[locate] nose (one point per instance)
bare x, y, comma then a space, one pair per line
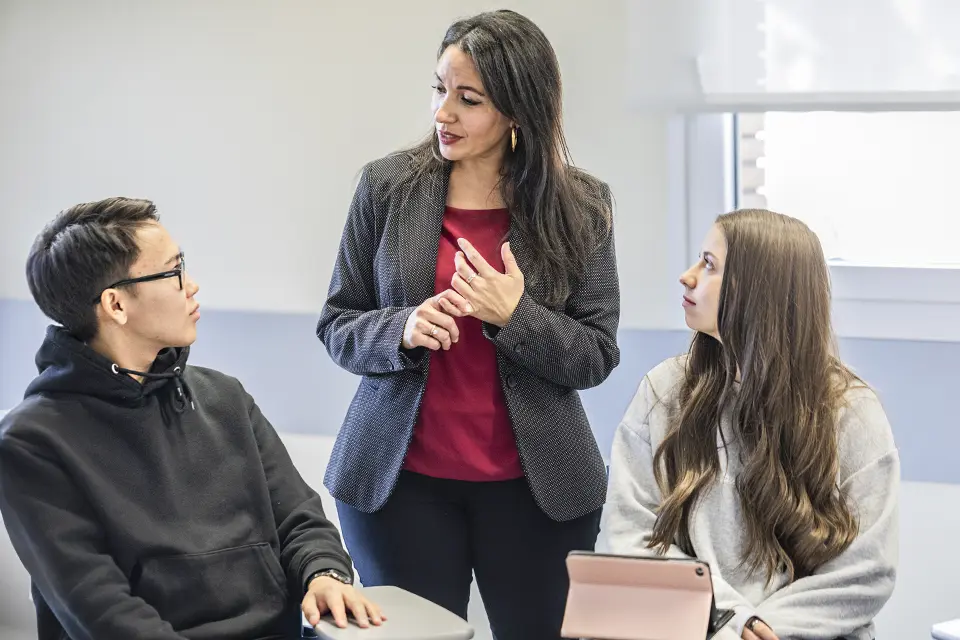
443, 115
688, 279
191, 287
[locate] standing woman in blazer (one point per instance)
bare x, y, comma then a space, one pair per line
476, 291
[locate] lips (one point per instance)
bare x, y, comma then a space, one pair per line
447, 138
687, 302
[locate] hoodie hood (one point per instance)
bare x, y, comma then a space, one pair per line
68, 366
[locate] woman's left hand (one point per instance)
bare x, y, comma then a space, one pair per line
493, 295
757, 629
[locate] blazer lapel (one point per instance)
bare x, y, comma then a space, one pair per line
523, 253
419, 236
519, 246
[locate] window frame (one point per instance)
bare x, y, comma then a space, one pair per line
869, 301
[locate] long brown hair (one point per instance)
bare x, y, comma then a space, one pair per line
561, 211
775, 329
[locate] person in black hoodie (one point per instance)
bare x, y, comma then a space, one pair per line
147, 498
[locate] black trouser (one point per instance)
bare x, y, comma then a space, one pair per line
432, 535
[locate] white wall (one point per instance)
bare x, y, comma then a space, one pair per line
248, 122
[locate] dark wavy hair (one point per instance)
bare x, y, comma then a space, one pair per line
562, 212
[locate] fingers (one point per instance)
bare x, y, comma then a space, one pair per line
421, 339
483, 267
509, 261
443, 321
431, 326
310, 609
758, 630
430, 334
448, 307
358, 608
460, 286
430, 331
453, 303
339, 602
463, 269
762, 631
416, 334
375, 612
337, 608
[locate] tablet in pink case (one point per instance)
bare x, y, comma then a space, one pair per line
619, 597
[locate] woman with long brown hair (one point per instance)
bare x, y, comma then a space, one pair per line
759, 452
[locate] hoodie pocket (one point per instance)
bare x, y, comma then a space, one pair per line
236, 588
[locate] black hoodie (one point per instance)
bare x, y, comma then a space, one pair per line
156, 511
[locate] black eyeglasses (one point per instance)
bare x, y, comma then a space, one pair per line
177, 272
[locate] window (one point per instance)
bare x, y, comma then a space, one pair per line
877, 187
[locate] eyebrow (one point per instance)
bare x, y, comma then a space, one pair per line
174, 258
462, 87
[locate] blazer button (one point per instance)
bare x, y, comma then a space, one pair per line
511, 382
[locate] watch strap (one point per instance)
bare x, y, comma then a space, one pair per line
329, 573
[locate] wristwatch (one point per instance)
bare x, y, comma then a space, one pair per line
328, 573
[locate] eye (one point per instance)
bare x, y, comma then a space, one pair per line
470, 102
439, 88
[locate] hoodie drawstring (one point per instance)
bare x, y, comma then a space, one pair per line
183, 390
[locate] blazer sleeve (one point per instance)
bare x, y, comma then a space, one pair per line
359, 336
577, 347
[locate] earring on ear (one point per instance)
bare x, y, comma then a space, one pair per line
513, 139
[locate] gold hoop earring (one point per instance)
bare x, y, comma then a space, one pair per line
513, 139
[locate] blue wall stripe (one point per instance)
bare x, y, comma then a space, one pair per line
284, 366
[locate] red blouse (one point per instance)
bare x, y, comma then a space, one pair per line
463, 431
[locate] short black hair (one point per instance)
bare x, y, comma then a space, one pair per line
81, 252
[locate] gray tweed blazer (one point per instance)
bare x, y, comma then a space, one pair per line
385, 267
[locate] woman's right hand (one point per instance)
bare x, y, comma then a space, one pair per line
430, 326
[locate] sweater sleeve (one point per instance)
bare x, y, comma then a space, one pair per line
634, 498
848, 592
309, 542
62, 546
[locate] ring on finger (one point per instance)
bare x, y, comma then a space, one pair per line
472, 276
434, 331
